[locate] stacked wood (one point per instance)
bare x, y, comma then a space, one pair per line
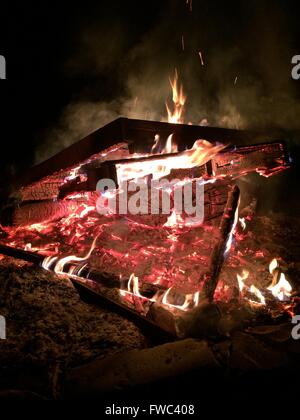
265, 158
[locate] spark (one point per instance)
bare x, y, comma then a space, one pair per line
201, 58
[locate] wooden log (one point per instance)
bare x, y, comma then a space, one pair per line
20, 254
45, 190
137, 367
218, 253
43, 211
202, 321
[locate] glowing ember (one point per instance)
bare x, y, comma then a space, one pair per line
174, 220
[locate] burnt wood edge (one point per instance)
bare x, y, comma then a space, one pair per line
218, 253
89, 295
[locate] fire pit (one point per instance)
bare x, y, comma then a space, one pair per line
165, 267
172, 275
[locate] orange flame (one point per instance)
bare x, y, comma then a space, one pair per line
175, 116
201, 152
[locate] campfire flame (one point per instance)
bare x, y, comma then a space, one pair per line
280, 289
60, 263
201, 152
81, 223
231, 235
241, 278
256, 292
242, 221
175, 116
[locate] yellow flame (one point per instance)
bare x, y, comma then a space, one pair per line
196, 298
241, 278
60, 263
242, 222
201, 152
282, 290
156, 141
133, 285
175, 116
273, 265
255, 291
189, 299
174, 220
231, 234
170, 146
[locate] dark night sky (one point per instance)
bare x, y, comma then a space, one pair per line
106, 52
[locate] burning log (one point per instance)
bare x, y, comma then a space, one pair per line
44, 211
21, 254
265, 159
218, 254
44, 190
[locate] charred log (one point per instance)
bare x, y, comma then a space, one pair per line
218, 253
43, 211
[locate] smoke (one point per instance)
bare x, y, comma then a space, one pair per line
120, 66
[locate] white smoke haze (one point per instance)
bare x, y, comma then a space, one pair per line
134, 77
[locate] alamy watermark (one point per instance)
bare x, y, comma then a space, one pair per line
155, 197
296, 67
296, 328
2, 67
2, 328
